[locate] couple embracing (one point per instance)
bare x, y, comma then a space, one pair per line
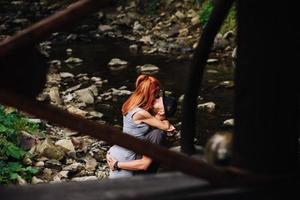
143, 117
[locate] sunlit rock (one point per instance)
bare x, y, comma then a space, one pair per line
54, 95
35, 180
66, 145
77, 111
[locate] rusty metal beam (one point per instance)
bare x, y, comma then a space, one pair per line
56, 22
112, 135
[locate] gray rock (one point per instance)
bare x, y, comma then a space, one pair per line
85, 178
117, 62
54, 95
220, 43
209, 106
21, 21
75, 167
148, 69
95, 114
53, 79
53, 164
195, 21
96, 79
137, 27
69, 51
39, 164
27, 141
72, 89
212, 61
133, 49
55, 63
53, 153
91, 164
47, 149
86, 95
226, 84
73, 60
35, 180
76, 111
180, 15
118, 92
104, 28
21, 181
64, 174
212, 71
72, 36
147, 40
234, 55
66, 75
66, 145
229, 122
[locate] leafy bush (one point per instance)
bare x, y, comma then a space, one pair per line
11, 155
9, 172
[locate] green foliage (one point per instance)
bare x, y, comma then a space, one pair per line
230, 22
205, 12
11, 155
9, 171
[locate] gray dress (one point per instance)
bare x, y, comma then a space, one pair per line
122, 154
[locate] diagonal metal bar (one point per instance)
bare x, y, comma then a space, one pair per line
58, 21
112, 135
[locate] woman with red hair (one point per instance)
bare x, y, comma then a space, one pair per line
142, 118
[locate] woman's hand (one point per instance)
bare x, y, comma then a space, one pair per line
110, 161
171, 128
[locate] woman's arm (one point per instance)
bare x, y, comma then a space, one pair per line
146, 117
140, 164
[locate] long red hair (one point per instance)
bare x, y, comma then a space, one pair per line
144, 95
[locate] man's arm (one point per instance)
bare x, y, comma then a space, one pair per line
134, 165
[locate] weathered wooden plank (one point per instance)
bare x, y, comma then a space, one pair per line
162, 185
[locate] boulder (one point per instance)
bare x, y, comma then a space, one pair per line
66, 145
